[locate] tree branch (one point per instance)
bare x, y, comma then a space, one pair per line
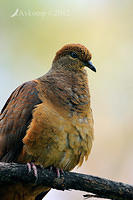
11, 173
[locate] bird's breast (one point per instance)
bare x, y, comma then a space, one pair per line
55, 138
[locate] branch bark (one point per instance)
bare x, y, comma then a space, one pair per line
11, 173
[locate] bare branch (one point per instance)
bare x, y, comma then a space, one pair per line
11, 173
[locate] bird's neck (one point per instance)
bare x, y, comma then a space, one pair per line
67, 88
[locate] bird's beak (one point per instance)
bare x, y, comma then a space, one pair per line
90, 65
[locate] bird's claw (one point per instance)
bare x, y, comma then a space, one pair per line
32, 166
58, 171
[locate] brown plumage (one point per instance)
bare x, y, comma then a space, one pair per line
49, 121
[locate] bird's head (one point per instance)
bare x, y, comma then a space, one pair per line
73, 57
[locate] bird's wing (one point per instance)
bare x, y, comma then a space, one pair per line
15, 117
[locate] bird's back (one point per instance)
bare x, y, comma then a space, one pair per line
15, 118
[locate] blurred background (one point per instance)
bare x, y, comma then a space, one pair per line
30, 34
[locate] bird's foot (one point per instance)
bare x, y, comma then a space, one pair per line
59, 172
32, 166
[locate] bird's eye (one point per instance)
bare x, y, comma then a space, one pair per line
73, 55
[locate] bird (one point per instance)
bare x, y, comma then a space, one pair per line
48, 121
